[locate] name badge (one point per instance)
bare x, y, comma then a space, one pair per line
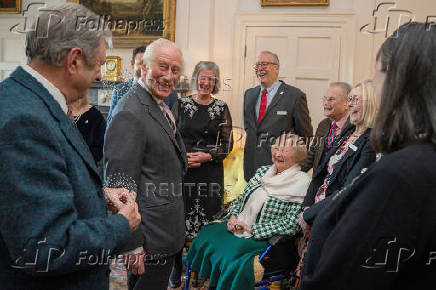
282, 113
352, 147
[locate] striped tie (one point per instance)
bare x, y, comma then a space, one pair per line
169, 116
332, 134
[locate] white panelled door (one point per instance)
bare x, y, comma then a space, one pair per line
309, 58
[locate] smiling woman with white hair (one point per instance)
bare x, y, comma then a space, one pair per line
268, 206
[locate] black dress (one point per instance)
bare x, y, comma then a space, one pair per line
92, 126
206, 128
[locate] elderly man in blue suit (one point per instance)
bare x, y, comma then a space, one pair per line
121, 89
54, 228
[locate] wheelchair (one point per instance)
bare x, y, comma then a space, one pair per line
278, 261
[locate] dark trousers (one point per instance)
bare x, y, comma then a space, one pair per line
156, 275
176, 273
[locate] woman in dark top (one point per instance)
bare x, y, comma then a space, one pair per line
350, 154
206, 127
379, 232
91, 125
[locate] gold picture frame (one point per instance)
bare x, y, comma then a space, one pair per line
140, 22
10, 6
264, 3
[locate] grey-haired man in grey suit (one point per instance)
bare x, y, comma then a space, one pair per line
144, 148
271, 109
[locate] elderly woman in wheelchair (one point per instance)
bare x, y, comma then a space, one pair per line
226, 252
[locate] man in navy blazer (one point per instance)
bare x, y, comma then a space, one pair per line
121, 89
54, 228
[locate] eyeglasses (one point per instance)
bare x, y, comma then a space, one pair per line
281, 149
354, 99
263, 64
328, 99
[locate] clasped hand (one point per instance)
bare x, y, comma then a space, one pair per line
237, 227
196, 158
122, 201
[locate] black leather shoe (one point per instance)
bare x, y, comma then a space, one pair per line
174, 285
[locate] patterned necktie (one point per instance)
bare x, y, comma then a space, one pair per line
332, 134
169, 115
262, 108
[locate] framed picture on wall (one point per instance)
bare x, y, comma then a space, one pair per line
294, 3
10, 6
135, 22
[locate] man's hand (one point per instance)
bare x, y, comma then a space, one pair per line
122, 201
135, 263
116, 198
130, 211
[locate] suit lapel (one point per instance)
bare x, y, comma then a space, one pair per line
251, 106
277, 97
158, 116
338, 142
357, 145
71, 134
155, 112
182, 156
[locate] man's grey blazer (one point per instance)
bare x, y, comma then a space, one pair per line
287, 112
141, 149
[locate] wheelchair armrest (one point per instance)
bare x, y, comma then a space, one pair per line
281, 253
279, 239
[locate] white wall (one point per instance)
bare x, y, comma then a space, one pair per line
205, 30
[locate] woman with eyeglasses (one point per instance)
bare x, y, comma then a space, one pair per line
349, 155
351, 152
205, 124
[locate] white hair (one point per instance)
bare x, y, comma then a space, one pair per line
60, 28
151, 49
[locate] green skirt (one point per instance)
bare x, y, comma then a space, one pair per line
226, 260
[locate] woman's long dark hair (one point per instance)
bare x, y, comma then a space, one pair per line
408, 108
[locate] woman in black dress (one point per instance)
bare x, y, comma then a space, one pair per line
206, 127
91, 124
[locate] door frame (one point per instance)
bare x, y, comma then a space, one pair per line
346, 22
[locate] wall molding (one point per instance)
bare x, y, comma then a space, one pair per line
345, 21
